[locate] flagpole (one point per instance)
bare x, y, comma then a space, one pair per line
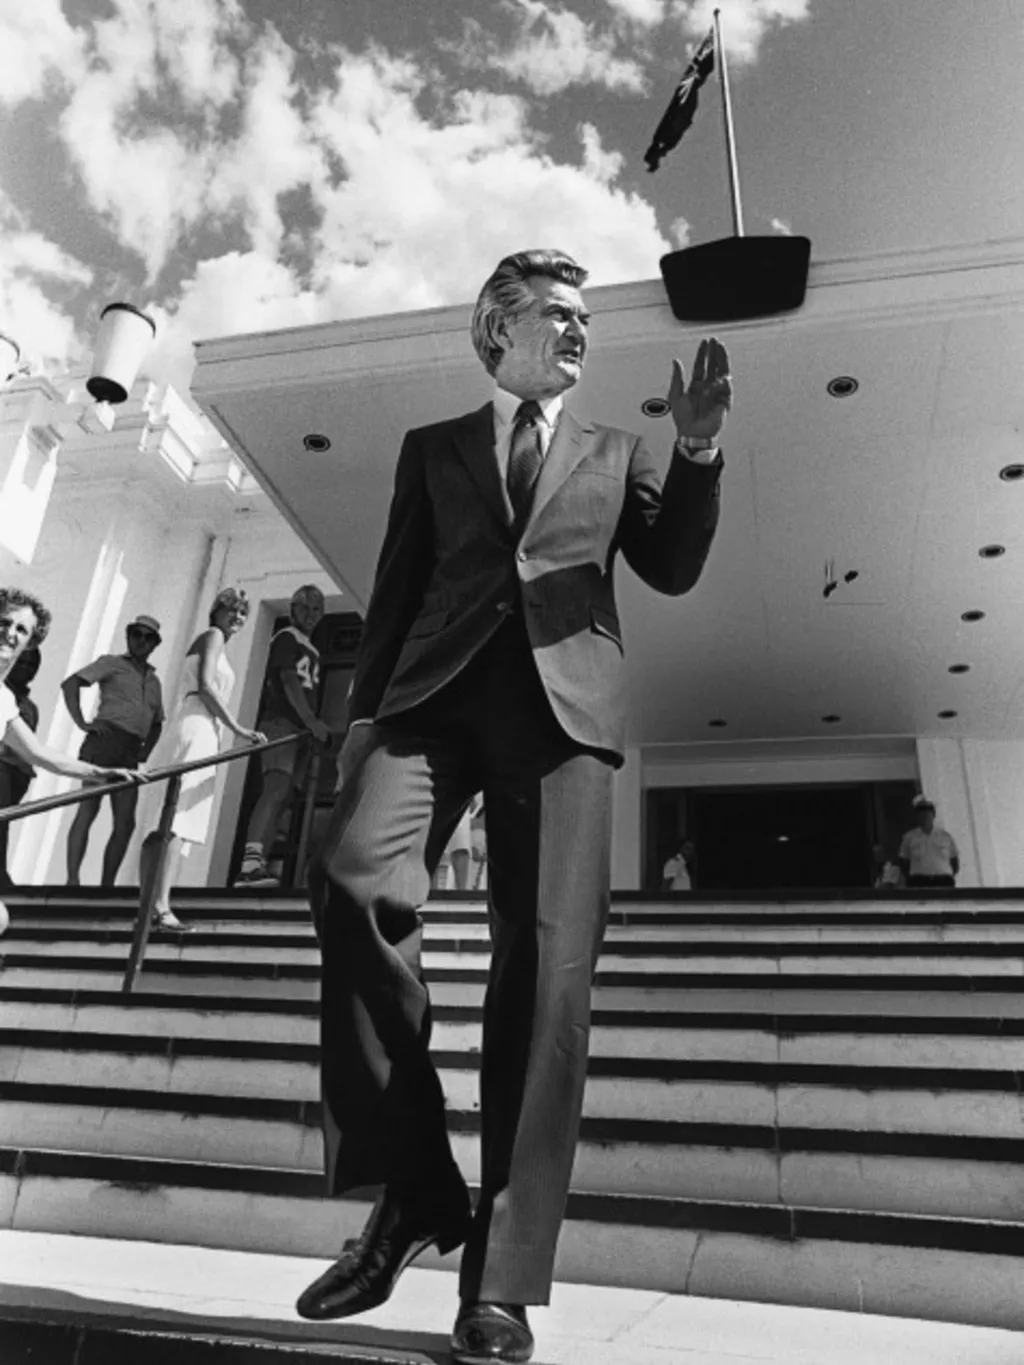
730, 136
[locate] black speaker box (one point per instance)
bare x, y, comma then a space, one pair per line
737, 278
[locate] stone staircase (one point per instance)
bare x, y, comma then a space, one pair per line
811, 1101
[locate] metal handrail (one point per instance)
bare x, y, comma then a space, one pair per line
149, 776
172, 775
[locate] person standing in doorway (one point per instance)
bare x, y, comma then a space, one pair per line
928, 854
677, 874
287, 707
122, 734
491, 661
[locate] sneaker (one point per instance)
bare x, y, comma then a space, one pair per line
256, 874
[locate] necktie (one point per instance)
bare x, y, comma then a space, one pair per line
524, 460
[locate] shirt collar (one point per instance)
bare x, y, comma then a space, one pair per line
506, 405
145, 664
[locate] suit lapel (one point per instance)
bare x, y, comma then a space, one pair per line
474, 443
569, 445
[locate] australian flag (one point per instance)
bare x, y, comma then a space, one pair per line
683, 105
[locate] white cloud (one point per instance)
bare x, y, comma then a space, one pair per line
184, 117
236, 292
274, 151
744, 22
30, 265
680, 230
553, 49
647, 13
37, 46
425, 209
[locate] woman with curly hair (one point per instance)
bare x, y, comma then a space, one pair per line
24, 622
198, 724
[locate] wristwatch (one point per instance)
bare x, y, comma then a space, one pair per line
696, 442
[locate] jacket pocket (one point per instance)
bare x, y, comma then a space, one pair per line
427, 625
605, 623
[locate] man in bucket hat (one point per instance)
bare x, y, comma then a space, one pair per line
122, 734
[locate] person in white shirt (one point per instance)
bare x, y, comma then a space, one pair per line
928, 854
676, 875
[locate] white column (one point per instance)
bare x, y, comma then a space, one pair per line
946, 780
28, 465
627, 823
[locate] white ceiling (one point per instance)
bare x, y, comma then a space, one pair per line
899, 481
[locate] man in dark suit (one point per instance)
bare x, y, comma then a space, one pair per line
491, 661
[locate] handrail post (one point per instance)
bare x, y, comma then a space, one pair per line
148, 886
312, 784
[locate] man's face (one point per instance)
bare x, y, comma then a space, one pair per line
926, 819
307, 613
17, 626
546, 345
141, 642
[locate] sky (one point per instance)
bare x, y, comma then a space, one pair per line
242, 165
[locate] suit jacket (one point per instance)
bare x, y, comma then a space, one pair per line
451, 567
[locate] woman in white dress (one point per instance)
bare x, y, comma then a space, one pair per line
198, 725
24, 621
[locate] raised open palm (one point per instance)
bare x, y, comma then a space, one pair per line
700, 407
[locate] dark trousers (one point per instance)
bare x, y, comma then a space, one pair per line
13, 786
547, 804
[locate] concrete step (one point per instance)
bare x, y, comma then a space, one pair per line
867, 999
619, 965
935, 1173
87, 1300
941, 1268
620, 937
836, 1040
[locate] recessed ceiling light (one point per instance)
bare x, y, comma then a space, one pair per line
655, 407
783, 838
718, 723
959, 668
843, 386
1011, 472
974, 615
316, 443
992, 551
947, 715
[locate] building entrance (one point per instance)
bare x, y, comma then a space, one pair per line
765, 838
337, 638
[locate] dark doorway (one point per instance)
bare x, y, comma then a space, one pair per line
759, 838
782, 837
337, 638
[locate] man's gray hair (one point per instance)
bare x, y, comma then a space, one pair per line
506, 295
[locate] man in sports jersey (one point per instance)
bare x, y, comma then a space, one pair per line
287, 707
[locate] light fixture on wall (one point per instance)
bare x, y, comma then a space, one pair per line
316, 443
959, 668
948, 715
972, 615
125, 335
655, 407
992, 551
1012, 472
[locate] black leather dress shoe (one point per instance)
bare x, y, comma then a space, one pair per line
491, 1334
368, 1268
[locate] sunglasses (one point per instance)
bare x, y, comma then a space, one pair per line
141, 633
